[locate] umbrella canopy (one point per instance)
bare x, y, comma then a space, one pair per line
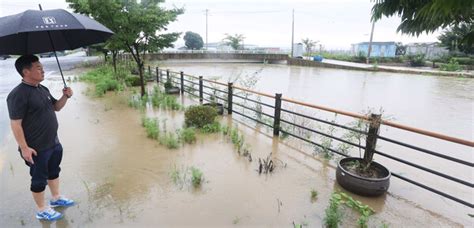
35, 31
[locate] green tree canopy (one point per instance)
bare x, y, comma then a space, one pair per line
309, 44
138, 25
452, 37
193, 40
418, 16
234, 40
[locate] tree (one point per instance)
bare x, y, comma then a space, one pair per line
427, 15
136, 25
451, 38
234, 41
193, 40
309, 44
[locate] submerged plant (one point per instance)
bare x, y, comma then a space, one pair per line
151, 127
265, 165
334, 216
196, 177
187, 135
314, 195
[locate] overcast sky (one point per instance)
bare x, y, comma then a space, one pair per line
335, 23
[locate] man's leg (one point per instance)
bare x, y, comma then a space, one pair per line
54, 188
54, 169
53, 179
39, 200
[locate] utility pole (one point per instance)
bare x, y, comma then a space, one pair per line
207, 12
370, 43
292, 33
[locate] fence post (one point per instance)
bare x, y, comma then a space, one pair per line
157, 75
371, 140
182, 82
149, 70
230, 91
276, 118
200, 90
168, 75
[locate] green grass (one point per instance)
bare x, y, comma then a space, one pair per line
151, 127
211, 128
105, 79
170, 140
162, 100
196, 177
333, 214
187, 135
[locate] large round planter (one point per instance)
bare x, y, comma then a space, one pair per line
218, 106
365, 186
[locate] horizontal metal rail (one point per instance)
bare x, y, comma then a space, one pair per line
258, 102
215, 82
314, 143
208, 87
258, 121
245, 107
426, 169
429, 133
427, 151
324, 121
388, 123
251, 91
324, 134
434, 190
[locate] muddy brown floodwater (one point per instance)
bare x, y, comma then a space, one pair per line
120, 178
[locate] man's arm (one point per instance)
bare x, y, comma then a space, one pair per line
67, 93
26, 151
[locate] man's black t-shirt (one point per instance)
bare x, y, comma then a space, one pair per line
34, 105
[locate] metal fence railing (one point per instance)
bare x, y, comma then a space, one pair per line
274, 112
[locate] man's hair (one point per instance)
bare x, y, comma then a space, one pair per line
25, 62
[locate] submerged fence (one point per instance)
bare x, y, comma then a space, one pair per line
283, 117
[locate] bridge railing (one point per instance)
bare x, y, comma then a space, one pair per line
344, 135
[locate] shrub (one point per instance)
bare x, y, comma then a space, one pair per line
453, 65
464, 60
132, 81
417, 60
198, 116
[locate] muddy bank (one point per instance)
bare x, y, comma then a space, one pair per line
120, 178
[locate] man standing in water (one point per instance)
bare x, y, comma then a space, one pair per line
33, 121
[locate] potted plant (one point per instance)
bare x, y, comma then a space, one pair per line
364, 176
169, 88
213, 103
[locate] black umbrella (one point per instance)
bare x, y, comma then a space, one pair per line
38, 31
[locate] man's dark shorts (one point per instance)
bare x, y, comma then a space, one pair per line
46, 167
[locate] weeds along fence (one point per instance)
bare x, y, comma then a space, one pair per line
410, 153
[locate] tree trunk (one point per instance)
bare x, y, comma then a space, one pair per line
142, 81
114, 60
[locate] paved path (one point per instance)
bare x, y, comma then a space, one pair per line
411, 70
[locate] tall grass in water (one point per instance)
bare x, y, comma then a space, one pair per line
162, 100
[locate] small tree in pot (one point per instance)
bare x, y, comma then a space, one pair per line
169, 88
362, 175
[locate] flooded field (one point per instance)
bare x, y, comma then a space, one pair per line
120, 178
